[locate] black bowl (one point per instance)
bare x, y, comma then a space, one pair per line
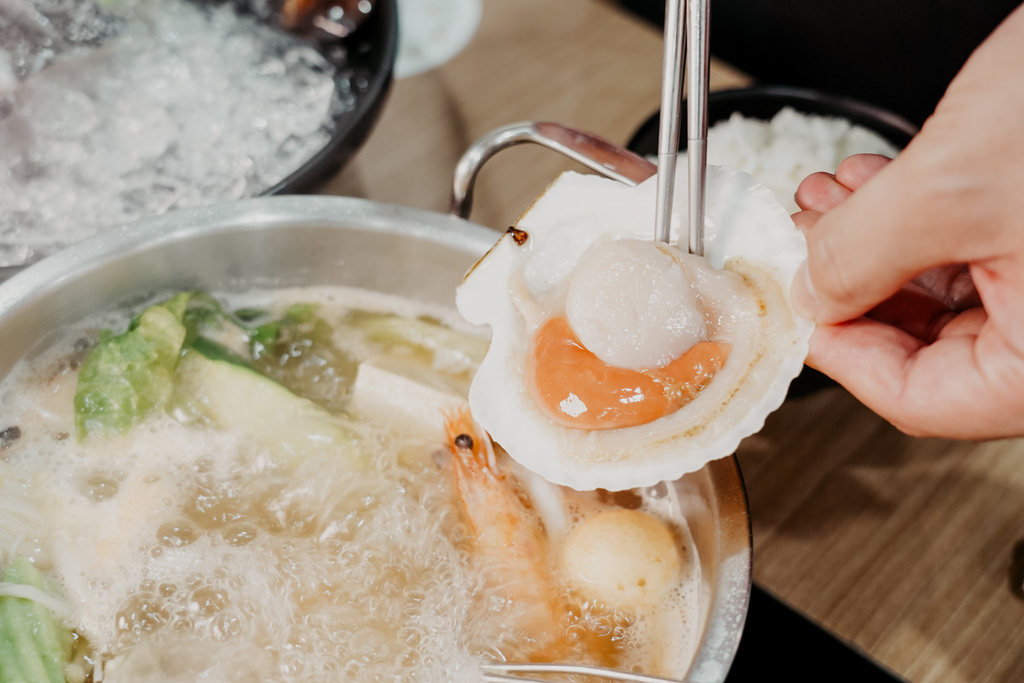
366, 62
763, 102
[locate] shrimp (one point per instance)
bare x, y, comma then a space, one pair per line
511, 543
507, 534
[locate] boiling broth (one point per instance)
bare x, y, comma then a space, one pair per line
190, 553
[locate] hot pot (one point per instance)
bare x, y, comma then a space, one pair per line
295, 241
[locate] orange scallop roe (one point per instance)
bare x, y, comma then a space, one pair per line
577, 389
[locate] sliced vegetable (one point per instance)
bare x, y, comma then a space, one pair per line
33, 645
215, 330
128, 375
453, 351
233, 397
299, 352
421, 349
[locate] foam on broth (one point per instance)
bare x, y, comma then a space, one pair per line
187, 553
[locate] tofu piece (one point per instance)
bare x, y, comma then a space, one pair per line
400, 404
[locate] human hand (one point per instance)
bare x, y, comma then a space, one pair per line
915, 272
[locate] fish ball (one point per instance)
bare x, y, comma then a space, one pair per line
624, 558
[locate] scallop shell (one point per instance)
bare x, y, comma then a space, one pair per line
746, 231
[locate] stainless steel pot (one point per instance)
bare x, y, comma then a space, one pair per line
296, 241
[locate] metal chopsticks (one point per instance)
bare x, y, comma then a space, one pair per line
668, 126
697, 66
694, 43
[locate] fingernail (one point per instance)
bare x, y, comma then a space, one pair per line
802, 295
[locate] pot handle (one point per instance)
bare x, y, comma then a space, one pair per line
592, 151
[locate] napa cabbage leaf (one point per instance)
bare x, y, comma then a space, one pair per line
34, 646
126, 376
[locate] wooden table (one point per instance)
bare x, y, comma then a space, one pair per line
901, 546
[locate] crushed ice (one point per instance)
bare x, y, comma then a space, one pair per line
111, 114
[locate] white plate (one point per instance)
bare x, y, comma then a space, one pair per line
430, 32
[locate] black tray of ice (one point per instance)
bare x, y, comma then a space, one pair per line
363, 63
369, 60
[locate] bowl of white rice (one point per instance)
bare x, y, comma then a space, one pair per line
780, 135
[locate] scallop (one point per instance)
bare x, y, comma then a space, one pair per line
617, 362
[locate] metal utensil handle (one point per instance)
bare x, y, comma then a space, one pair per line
507, 672
668, 122
697, 74
592, 151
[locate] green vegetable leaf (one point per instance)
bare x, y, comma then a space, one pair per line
263, 340
128, 375
33, 645
248, 315
209, 326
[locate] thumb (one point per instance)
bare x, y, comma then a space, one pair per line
911, 216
